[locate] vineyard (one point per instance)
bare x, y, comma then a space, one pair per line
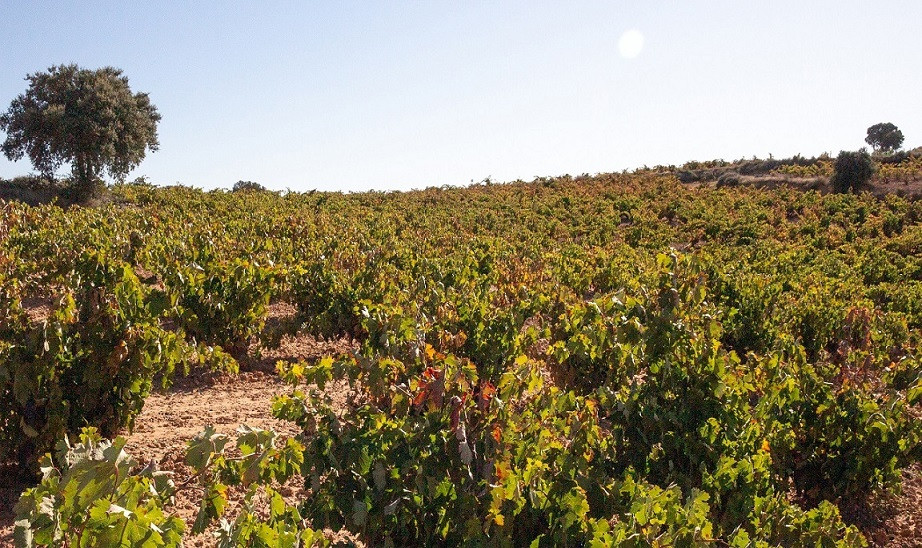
573, 361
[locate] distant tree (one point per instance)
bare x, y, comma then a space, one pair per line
884, 137
89, 118
247, 185
853, 171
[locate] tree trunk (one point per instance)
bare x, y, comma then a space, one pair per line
85, 185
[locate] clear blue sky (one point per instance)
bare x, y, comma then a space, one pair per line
388, 95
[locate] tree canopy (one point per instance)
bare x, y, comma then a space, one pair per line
884, 137
88, 118
241, 186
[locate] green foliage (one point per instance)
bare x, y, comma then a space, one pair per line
536, 362
413, 465
884, 137
221, 304
837, 439
103, 338
94, 494
241, 186
89, 118
259, 466
853, 171
326, 298
90, 496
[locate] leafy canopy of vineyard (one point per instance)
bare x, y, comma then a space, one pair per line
588, 361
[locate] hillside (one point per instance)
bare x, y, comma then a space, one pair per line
622, 358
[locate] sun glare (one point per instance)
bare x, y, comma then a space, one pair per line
630, 44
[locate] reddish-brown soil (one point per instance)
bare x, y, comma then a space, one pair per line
909, 189
892, 520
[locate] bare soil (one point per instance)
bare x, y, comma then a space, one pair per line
891, 519
909, 189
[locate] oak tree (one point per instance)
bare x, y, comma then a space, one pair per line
884, 137
88, 118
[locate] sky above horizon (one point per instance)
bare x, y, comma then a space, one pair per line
396, 95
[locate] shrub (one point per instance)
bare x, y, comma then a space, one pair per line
853, 171
326, 299
32, 189
830, 434
730, 178
93, 493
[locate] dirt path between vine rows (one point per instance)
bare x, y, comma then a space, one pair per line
169, 420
